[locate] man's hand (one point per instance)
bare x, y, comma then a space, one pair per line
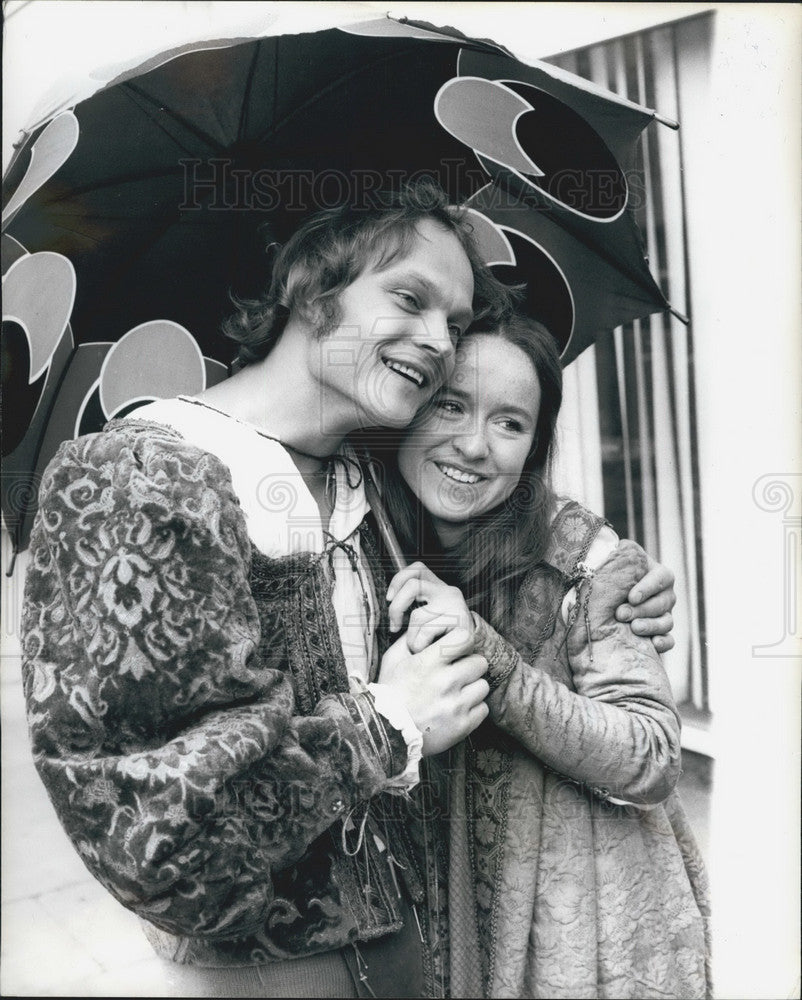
443, 687
441, 607
650, 604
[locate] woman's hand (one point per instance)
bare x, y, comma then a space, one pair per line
650, 604
440, 608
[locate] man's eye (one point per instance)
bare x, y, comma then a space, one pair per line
455, 332
407, 298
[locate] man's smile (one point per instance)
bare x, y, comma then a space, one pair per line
413, 374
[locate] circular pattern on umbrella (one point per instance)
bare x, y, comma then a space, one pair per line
38, 293
548, 297
527, 133
578, 170
517, 259
491, 243
156, 360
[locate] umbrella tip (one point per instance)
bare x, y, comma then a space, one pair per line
678, 315
10, 570
669, 122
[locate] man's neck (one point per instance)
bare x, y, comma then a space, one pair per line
279, 396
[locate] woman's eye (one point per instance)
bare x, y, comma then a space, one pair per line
514, 426
455, 332
449, 406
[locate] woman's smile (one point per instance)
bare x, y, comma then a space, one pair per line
459, 475
464, 455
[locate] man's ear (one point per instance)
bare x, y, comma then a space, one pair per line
312, 313
299, 295
317, 309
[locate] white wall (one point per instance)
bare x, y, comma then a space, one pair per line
578, 466
742, 181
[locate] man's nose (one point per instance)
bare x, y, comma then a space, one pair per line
434, 335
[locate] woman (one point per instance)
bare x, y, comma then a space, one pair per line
574, 871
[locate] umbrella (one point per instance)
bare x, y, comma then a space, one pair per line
130, 218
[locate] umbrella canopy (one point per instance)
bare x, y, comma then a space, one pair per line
130, 219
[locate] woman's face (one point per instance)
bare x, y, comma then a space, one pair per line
464, 454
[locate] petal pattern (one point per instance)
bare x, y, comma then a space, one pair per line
38, 293
156, 360
53, 147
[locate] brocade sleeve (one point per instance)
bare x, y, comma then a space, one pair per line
619, 729
176, 759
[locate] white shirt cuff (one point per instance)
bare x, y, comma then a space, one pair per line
397, 714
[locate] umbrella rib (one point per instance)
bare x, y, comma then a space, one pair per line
146, 99
77, 232
246, 97
320, 94
110, 183
97, 241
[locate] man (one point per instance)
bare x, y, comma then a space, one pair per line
221, 734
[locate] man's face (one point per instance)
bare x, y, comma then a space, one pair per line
393, 346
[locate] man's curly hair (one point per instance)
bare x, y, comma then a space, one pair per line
332, 248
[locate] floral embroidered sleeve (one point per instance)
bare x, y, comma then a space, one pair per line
176, 757
618, 730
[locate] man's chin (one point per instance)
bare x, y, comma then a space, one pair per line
398, 418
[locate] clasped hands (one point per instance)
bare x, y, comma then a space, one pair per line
433, 667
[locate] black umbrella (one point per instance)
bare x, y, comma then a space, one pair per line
144, 207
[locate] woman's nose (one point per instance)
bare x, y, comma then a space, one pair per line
473, 445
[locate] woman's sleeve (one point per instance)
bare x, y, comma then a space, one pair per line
619, 730
171, 747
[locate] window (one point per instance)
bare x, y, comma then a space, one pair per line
638, 380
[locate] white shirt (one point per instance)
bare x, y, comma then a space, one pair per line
283, 518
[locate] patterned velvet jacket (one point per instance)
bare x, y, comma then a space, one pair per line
191, 719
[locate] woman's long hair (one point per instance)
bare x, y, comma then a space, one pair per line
501, 546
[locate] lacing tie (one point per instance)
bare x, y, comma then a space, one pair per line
361, 844
332, 544
381, 846
393, 862
349, 464
582, 582
362, 967
348, 824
